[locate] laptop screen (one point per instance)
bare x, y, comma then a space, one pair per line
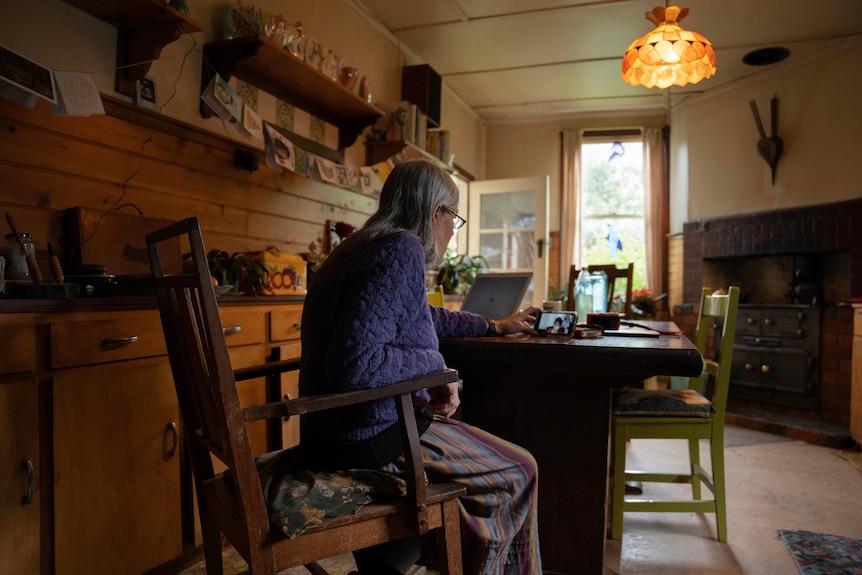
497, 295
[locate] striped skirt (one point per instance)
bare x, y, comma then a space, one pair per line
499, 531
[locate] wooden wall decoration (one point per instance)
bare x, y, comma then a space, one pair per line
49, 164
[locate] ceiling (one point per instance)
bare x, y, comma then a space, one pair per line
525, 60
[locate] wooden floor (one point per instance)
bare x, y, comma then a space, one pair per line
774, 482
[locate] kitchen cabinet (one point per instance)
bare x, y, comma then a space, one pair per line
19, 453
263, 63
144, 27
116, 445
92, 468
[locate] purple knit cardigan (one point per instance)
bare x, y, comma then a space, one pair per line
367, 323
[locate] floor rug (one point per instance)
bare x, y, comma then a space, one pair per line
822, 554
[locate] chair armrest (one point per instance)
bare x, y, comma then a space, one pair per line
314, 403
266, 369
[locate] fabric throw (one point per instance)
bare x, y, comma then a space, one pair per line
662, 402
298, 500
823, 554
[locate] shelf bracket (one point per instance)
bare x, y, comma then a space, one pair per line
137, 48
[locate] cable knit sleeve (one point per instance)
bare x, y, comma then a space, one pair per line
384, 332
448, 323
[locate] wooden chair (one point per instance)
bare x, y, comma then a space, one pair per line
614, 273
435, 297
214, 427
692, 414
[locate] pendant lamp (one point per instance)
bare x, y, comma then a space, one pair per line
668, 55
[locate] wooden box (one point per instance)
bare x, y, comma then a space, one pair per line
117, 240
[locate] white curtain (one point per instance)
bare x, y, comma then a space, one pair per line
654, 178
570, 250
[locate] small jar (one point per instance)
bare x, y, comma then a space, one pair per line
16, 259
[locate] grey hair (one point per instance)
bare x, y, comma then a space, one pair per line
411, 193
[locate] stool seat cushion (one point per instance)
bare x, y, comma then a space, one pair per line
661, 402
298, 499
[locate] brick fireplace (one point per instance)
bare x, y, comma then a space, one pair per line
808, 260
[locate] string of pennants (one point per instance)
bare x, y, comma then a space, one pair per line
282, 154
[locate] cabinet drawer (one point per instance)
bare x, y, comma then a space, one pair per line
285, 324
114, 338
243, 327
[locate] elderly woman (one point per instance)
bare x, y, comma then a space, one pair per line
367, 323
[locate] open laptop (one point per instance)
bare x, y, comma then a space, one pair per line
497, 295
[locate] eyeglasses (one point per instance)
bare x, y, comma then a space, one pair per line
457, 221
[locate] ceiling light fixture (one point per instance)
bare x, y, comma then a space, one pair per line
668, 55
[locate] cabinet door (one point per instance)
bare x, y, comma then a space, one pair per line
19, 481
117, 499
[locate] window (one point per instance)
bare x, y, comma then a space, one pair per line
612, 203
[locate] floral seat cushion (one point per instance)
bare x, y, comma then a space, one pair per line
662, 402
298, 499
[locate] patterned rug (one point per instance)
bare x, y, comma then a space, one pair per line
822, 554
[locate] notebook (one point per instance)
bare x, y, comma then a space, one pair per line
497, 295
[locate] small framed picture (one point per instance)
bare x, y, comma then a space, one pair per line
145, 96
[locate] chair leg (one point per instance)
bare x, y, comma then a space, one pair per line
694, 460
716, 447
212, 549
619, 483
449, 540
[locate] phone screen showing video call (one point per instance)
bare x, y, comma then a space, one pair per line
555, 323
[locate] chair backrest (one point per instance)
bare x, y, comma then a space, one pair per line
213, 421
614, 273
435, 297
716, 311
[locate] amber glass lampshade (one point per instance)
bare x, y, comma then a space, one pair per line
668, 55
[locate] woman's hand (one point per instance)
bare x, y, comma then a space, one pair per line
522, 321
444, 399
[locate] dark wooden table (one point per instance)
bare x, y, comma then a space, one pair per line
552, 397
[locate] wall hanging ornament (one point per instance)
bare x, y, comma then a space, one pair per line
769, 148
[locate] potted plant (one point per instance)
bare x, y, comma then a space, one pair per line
457, 271
245, 271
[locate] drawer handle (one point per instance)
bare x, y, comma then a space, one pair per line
172, 427
232, 330
749, 367
297, 326
31, 483
119, 341
764, 368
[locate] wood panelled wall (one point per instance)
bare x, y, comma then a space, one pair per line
134, 161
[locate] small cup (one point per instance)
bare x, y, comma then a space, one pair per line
552, 305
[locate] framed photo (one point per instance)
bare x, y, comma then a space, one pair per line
145, 95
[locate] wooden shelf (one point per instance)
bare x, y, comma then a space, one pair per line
263, 63
376, 152
144, 27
